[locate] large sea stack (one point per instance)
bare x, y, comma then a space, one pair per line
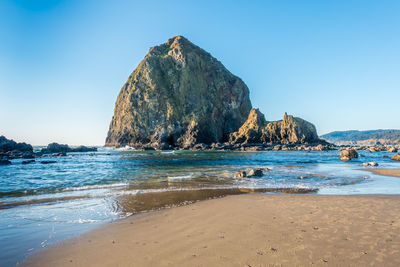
180, 96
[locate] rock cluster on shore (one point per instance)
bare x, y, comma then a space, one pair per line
59, 148
180, 97
9, 149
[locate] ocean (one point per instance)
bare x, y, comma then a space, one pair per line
41, 204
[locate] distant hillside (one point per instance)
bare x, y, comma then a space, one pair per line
373, 137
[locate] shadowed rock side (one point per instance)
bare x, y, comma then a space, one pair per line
290, 130
251, 131
178, 96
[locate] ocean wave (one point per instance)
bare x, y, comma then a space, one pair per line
81, 221
182, 177
89, 187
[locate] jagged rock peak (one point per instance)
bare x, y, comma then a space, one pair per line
179, 95
252, 130
290, 130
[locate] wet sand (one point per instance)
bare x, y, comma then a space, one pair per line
244, 230
386, 172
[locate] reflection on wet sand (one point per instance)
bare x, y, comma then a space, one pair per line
159, 200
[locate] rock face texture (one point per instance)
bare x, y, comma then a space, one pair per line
348, 154
178, 96
252, 131
181, 97
290, 130
7, 145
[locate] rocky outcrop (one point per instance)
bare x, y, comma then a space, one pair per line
348, 154
7, 145
9, 149
178, 96
60, 148
290, 130
252, 130
181, 97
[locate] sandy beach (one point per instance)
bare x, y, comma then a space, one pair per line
244, 230
386, 172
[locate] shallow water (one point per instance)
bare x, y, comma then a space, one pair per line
41, 204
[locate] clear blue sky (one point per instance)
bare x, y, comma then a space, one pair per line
63, 62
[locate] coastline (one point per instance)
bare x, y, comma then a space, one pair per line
251, 229
385, 172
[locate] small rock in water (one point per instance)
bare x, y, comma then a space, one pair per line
255, 172
396, 157
391, 150
28, 161
348, 154
4, 162
372, 164
48, 161
240, 174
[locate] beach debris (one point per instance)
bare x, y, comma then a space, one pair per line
396, 157
370, 164
348, 154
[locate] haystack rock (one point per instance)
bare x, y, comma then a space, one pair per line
178, 96
290, 130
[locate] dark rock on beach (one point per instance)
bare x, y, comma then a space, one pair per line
240, 174
257, 172
5, 162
